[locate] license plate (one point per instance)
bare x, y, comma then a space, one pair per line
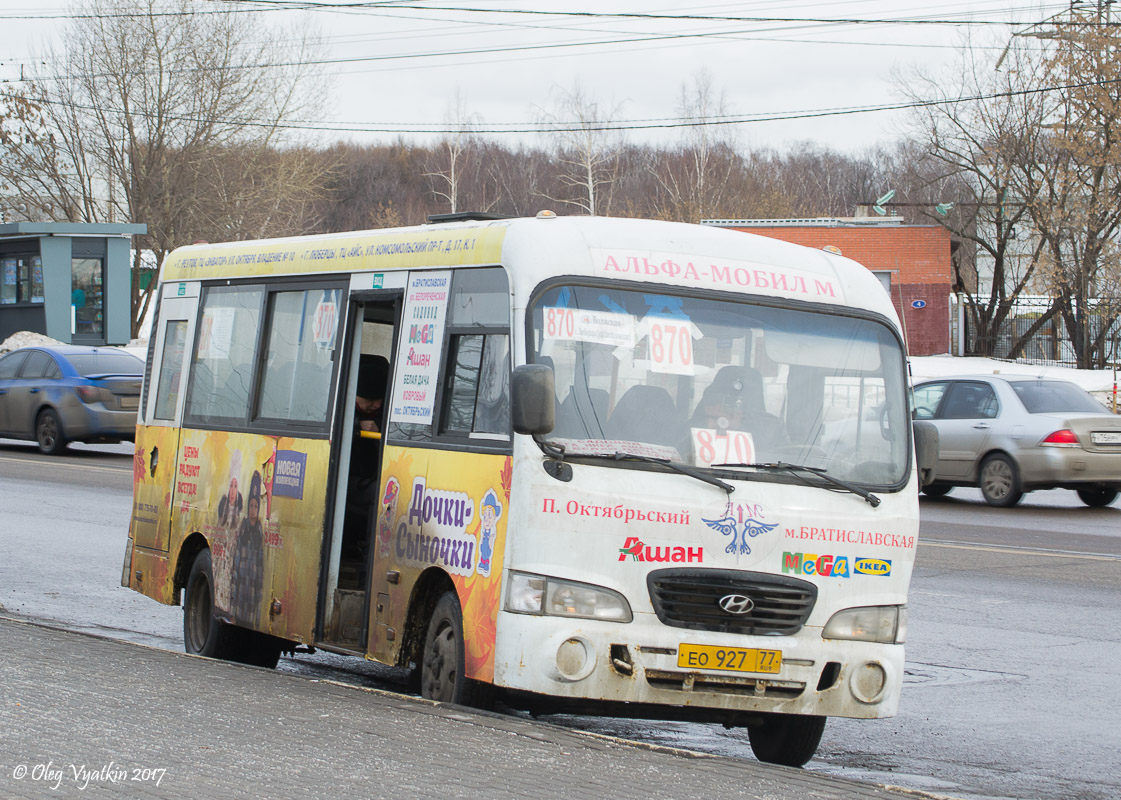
130, 401
1106, 437
735, 659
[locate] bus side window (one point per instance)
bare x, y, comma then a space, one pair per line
171, 365
300, 345
222, 368
477, 396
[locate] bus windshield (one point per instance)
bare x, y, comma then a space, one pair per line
714, 382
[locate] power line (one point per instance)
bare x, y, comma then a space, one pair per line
966, 18
310, 5
626, 125
742, 34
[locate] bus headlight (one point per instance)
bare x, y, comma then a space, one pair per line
885, 624
538, 594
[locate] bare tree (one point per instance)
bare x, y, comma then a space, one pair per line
1076, 180
693, 178
153, 97
457, 156
588, 151
976, 155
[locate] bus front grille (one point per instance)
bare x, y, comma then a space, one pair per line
691, 598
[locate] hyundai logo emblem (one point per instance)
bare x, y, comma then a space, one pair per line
736, 604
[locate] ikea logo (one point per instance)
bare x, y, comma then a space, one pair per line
871, 566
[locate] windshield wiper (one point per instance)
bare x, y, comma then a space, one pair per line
684, 470
782, 466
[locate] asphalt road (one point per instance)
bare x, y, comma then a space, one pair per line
1012, 678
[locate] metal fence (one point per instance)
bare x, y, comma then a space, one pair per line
1050, 345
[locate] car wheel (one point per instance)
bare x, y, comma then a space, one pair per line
443, 666
48, 433
787, 739
1000, 484
936, 489
1097, 496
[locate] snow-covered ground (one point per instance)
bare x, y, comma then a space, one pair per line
1099, 382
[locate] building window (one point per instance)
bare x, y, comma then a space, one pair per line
885, 280
87, 299
21, 279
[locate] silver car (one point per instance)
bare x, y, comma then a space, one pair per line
1009, 435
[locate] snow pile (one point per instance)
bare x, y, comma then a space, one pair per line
1098, 382
25, 339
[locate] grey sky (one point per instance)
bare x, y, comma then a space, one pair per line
399, 67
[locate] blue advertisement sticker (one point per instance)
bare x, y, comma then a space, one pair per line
288, 480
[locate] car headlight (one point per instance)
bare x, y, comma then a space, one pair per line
538, 594
885, 624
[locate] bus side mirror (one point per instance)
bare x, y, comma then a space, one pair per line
926, 450
532, 401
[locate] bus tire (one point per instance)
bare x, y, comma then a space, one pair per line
787, 739
203, 633
443, 665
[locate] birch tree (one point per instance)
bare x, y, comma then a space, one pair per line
588, 151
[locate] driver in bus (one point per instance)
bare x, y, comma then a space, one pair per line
734, 402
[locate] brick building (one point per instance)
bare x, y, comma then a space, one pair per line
911, 261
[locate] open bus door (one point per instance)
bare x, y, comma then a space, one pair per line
348, 546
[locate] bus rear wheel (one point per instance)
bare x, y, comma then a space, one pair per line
787, 739
203, 633
206, 635
443, 675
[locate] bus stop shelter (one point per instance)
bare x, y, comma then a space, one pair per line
69, 281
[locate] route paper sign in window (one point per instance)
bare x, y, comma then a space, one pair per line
582, 325
422, 336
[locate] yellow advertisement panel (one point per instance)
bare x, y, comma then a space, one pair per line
259, 501
446, 510
354, 252
153, 479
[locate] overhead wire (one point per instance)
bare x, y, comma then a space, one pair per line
545, 128
662, 40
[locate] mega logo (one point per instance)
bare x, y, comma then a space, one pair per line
829, 566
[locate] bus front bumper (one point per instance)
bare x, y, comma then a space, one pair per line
581, 664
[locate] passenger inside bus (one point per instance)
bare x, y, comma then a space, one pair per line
369, 397
365, 463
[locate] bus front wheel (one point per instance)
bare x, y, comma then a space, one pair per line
203, 633
443, 665
787, 739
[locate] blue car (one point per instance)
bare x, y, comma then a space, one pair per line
69, 393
